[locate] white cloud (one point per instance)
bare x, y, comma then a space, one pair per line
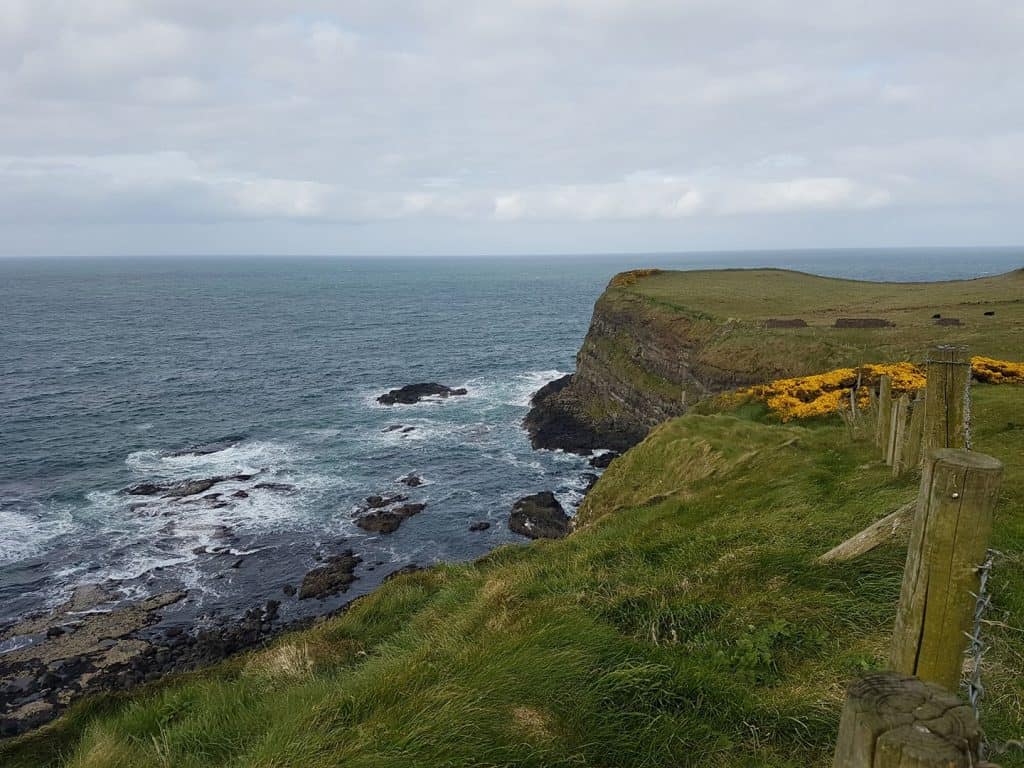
488, 124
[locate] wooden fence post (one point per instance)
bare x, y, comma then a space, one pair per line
948, 539
899, 436
884, 413
895, 721
915, 433
949, 377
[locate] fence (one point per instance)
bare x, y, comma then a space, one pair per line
909, 716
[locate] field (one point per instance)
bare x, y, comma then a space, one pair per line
686, 623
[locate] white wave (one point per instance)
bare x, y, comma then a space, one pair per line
515, 391
25, 534
233, 459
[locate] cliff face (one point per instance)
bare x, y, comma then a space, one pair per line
659, 341
637, 367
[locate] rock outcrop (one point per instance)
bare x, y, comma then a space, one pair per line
330, 579
539, 516
413, 393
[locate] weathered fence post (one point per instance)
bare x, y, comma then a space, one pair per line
896, 721
948, 539
946, 409
884, 413
915, 433
898, 438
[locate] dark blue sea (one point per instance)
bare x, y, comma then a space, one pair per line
112, 370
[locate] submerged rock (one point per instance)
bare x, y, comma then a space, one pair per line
413, 393
412, 480
182, 488
539, 516
332, 578
481, 525
602, 461
388, 520
207, 448
279, 487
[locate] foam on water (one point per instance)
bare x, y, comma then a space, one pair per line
240, 458
24, 533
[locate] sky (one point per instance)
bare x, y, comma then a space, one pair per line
362, 127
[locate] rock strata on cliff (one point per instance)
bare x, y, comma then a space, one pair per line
660, 341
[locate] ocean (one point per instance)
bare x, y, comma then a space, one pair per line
122, 371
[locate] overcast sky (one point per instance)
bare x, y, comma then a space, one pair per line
519, 126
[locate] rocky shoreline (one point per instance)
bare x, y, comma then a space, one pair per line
97, 641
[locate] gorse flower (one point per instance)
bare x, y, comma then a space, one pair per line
826, 393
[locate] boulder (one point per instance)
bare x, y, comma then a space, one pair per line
539, 516
413, 393
482, 525
603, 460
412, 480
388, 520
330, 579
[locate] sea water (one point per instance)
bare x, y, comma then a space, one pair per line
121, 371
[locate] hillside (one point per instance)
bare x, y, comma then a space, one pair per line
685, 623
661, 340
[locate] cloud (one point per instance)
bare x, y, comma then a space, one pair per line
494, 125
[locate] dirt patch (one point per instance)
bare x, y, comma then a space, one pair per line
862, 322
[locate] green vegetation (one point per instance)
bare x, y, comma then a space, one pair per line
684, 623
819, 301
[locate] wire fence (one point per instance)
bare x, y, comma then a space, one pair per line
976, 652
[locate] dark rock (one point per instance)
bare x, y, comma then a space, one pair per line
413, 393
144, 489
482, 525
388, 520
212, 496
603, 460
330, 579
270, 610
240, 494
54, 631
206, 448
591, 480
238, 563
556, 421
407, 430
539, 516
990, 313
936, 316
392, 428
288, 589
378, 502
776, 323
280, 487
190, 487
412, 480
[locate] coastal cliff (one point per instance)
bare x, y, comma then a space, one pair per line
660, 341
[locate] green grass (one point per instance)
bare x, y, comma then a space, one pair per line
743, 346
684, 624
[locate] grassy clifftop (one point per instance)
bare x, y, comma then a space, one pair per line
661, 340
686, 622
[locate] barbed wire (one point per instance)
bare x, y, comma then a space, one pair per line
976, 651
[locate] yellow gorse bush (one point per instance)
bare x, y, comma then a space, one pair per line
827, 393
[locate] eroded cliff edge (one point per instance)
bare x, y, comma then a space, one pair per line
659, 341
